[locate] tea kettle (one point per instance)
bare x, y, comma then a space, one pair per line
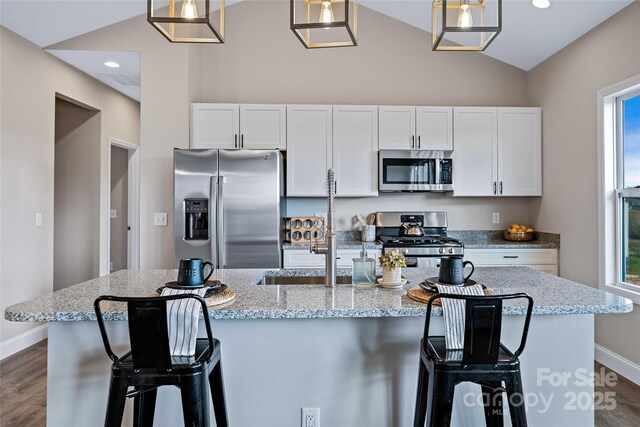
412, 229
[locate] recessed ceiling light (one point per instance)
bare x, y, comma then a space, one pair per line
112, 64
541, 4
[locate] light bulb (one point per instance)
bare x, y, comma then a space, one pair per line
464, 18
189, 10
326, 12
541, 4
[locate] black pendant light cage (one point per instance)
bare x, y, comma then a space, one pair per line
449, 34
166, 16
315, 27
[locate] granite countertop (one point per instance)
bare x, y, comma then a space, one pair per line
551, 294
472, 239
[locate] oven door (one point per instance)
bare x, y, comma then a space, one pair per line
411, 170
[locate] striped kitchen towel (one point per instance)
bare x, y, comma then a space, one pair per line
453, 310
182, 318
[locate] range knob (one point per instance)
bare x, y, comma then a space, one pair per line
441, 250
450, 250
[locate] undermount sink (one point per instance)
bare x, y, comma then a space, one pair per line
302, 280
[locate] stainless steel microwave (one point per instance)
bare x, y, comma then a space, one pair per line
415, 170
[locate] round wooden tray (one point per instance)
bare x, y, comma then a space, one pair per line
214, 298
420, 295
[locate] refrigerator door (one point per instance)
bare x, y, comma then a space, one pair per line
195, 194
250, 188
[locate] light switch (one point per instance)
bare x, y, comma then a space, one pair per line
160, 219
114, 213
38, 219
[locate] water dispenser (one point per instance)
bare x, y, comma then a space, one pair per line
196, 219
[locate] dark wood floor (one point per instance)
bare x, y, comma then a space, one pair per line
23, 393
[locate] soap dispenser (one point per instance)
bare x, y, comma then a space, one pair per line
364, 270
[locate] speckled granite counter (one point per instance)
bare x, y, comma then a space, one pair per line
472, 239
552, 295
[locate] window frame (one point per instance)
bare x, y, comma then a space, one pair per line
610, 175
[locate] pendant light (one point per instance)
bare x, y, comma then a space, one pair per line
193, 24
325, 23
465, 25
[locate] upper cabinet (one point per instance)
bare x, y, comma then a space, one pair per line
498, 152
231, 126
309, 143
397, 128
355, 150
416, 128
215, 125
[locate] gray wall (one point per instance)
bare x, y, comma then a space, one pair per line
30, 79
76, 236
565, 87
119, 200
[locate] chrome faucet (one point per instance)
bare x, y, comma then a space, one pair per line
329, 248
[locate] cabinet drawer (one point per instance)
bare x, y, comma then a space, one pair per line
511, 256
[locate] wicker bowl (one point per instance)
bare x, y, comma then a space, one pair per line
518, 236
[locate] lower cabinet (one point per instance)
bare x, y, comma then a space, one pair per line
539, 259
299, 258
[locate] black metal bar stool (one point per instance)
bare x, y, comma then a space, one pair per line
150, 365
483, 360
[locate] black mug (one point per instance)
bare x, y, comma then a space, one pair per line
191, 272
451, 271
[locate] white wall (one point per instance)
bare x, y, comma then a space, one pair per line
565, 87
76, 225
119, 201
27, 162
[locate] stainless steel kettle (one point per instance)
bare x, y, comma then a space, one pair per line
412, 229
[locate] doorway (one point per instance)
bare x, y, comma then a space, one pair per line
124, 242
76, 225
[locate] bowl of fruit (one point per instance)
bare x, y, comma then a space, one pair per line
519, 233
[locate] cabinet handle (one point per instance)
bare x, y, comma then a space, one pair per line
413, 142
500, 187
242, 140
494, 187
235, 140
419, 142
511, 256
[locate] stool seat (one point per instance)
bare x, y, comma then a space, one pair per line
437, 351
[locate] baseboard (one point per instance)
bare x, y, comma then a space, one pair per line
22, 341
615, 362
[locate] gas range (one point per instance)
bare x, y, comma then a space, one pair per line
391, 228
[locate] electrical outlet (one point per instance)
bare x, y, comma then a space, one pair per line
496, 217
38, 219
160, 219
114, 213
310, 417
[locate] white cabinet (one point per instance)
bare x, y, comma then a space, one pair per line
215, 125
299, 258
519, 152
475, 156
309, 146
355, 150
498, 152
434, 128
416, 128
540, 259
397, 128
231, 126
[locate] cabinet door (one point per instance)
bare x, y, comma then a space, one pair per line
263, 127
355, 150
397, 128
475, 157
519, 151
434, 128
215, 125
308, 149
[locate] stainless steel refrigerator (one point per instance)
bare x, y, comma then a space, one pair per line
228, 207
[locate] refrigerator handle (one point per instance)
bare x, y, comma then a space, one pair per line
213, 219
220, 221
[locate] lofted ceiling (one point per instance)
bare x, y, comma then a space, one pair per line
529, 35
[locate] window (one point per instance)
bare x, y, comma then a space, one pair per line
628, 189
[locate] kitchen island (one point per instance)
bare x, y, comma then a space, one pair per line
351, 352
